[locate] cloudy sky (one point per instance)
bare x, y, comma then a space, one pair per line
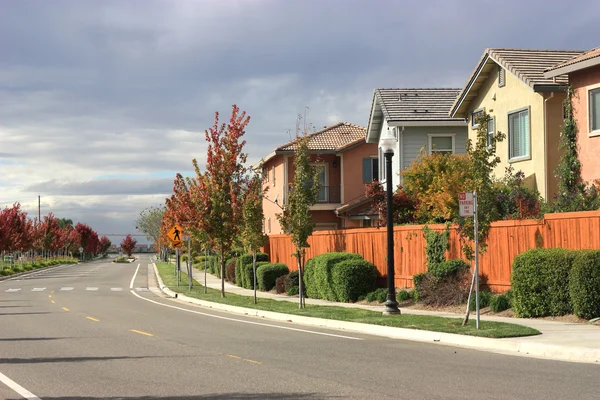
102, 102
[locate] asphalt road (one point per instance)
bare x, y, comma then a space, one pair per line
90, 331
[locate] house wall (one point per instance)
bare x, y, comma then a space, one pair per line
554, 122
512, 96
352, 170
273, 189
588, 142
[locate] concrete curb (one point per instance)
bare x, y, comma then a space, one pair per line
511, 346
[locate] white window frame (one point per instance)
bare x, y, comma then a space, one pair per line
492, 120
269, 225
432, 135
273, 169
474, 124
266, 174
592, 131
501, 73
381, 159
525, 157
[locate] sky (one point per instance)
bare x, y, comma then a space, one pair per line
103, 102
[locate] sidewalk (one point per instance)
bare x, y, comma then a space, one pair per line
558, 341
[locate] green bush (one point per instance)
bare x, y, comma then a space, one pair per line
353, 278
293, 291
184, 258
28, 267
292, 279
6, 272
540, 282
378, 295
248, 275
245, 276
230, 270
417, 280
403, 295
446, 268
19, 269
584, 284
318, 275
267, 274
485, 298
280, 284
500, 302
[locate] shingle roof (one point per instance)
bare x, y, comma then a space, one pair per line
333, 138
588, 55
526, 64
416, 104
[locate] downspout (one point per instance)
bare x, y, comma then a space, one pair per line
546, 148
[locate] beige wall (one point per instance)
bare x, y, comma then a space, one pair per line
515, 95
352, 172
588, 142
273, 188
554, 122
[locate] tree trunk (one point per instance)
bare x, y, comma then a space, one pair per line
254, 272
205, 265
300, 285
222, 274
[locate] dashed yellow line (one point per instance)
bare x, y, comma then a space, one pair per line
93, 319
252, 361
141, 333
52, 301
65, 308
232, 356
49, 296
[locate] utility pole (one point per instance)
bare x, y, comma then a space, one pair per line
39, 209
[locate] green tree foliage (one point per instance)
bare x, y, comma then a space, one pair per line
149, 222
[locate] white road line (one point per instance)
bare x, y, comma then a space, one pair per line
133, 277
239, 320
91, 289
26, 394
116, 289
12, 290
38, 289
66, 288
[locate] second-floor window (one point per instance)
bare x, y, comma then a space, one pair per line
594, 101
475, 116
273, 170
518, 135
491, 131
370, 169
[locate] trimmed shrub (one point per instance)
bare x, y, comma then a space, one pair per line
584, 284
248, 274
485, 298
29, 267
446, 268
417, 281
293, 291
230, 270
6, 272
292, 279
500, 303
19, 269
540, 282
318, 275
245, 279
352, 278
267, 274
280, 284
403, 295
448, 286
379, 295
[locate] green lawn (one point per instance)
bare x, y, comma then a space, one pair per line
428, 323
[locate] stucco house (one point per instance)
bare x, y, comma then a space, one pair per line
419, 119
583, 74
345, 163
510, 86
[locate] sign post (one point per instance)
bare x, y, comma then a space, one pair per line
176, 236
468, 208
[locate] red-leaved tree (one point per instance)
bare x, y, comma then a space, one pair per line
128, 245
104, 245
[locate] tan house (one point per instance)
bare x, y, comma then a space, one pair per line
510, 86
345, 163
583, 74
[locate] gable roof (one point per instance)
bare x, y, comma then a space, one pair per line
526, 64
332, 139
424, 106
588, 59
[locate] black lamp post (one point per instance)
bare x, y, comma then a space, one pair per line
388, 145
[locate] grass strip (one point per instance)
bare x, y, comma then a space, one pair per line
488, 329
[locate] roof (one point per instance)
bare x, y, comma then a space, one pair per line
423, 106
588, 59
526, 64
334, 138
361, 206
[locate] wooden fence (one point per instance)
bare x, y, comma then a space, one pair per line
507, 239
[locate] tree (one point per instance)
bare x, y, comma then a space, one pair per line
128, 245
403, 204
149, 223
252, 236
86, 238
218, 197
296, 220
104, 245
50, 233
17, 230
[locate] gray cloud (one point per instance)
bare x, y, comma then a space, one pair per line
105, 187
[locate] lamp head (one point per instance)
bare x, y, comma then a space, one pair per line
388, 142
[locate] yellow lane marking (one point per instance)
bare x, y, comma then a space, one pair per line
52, 301
93, 319
141, 333
65, 308
52, 291
49, 296
252, 361
232, 356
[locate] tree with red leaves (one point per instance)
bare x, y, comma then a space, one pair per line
128, 245
86, 237
103, 245
219, 192
17, 231
49, 234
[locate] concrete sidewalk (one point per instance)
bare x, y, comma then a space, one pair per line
559, 340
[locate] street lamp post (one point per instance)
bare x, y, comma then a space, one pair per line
388, 145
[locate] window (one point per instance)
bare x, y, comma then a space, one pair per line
491, 130
322, 171
370, 170
594, 110
501, 76
263, 225
518, 135
474, 116
265, 173
367, 223
269, 225
273, 170
441, 143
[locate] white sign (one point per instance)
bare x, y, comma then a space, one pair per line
465, 204
81, 249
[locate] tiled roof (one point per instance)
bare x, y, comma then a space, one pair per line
588, 55
333, 138
416, 104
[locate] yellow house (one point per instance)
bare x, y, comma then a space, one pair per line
509, 85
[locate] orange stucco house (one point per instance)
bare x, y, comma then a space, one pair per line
346, 164
584, 76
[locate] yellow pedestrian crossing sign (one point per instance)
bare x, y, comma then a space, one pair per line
176, 235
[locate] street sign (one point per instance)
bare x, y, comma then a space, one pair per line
465, 203
176, 233
177, 244
81, 249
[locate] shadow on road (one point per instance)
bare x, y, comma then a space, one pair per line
41, 360
215, 396
27, 339
27, 313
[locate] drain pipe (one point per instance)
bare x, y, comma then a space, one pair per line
545, 145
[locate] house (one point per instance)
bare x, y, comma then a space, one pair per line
419, 120
583, 74
345, 164
510, 86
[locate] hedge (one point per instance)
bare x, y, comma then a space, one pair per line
318, 274
584, 284
267, 274
247, 275
447, 268
244, 275
540, 282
